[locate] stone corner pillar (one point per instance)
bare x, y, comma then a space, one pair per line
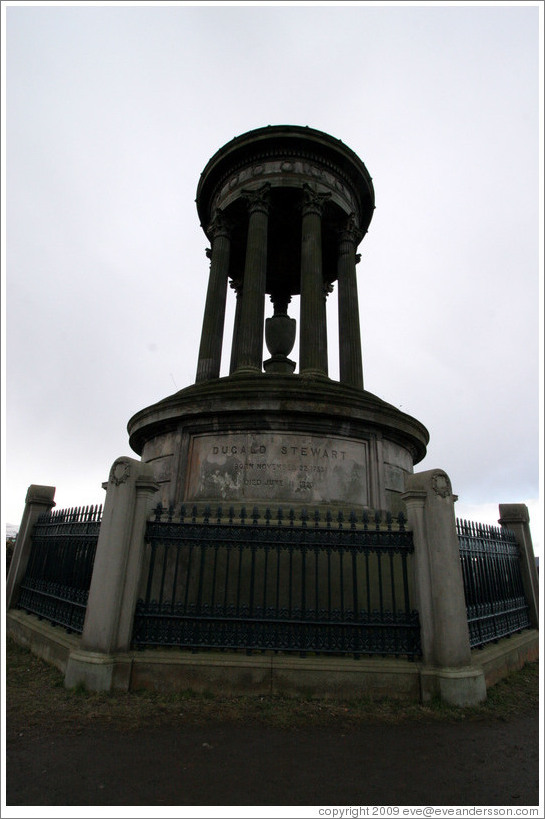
439, 589
113, 593
515, 516
39, 500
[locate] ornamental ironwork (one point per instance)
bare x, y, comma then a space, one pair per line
58, 575
495, 600
282, 583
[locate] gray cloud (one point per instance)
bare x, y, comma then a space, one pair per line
113, 112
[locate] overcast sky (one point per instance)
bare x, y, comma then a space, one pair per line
112, 112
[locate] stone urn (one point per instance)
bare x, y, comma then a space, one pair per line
280, 338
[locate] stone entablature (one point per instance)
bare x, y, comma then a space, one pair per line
291, 172
292, 152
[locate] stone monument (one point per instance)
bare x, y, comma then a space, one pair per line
261, 459
284, 209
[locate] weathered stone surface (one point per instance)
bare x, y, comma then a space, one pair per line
380, 443
396, 456
39, 499
283, 467
162, 467
394, 477
515, 516
119, 555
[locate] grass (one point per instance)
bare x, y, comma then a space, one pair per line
36, 698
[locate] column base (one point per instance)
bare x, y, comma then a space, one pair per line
247, 369
463, 687
314, 373
98, 672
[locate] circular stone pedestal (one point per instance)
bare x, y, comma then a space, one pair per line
278, 440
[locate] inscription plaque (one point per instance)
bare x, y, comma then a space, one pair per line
276, 467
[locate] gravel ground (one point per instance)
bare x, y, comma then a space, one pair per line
66, 748
474, 763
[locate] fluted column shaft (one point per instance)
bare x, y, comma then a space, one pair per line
350, 357
214, 312
237, 287
249, 340
313, 329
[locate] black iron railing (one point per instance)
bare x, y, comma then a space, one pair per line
287, 583
58, 575
495, 601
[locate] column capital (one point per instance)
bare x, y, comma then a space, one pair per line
236, 285
313, 202
258, 201
415, 497
42, 495
513, 513
350, 232
327, 289
219, 226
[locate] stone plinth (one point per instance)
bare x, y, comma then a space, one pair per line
284, 440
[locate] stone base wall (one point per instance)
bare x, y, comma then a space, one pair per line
278, 468
48, 642
263, 674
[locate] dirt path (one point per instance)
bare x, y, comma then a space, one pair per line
466, 763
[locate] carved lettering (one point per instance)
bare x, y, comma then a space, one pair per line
316, 452
275, 466
235, 450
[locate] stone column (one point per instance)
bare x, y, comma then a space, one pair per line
515, 516
350, 359
39, 499
107, 629
249, 338
237, 287
439, 589
313, 323
214, 312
